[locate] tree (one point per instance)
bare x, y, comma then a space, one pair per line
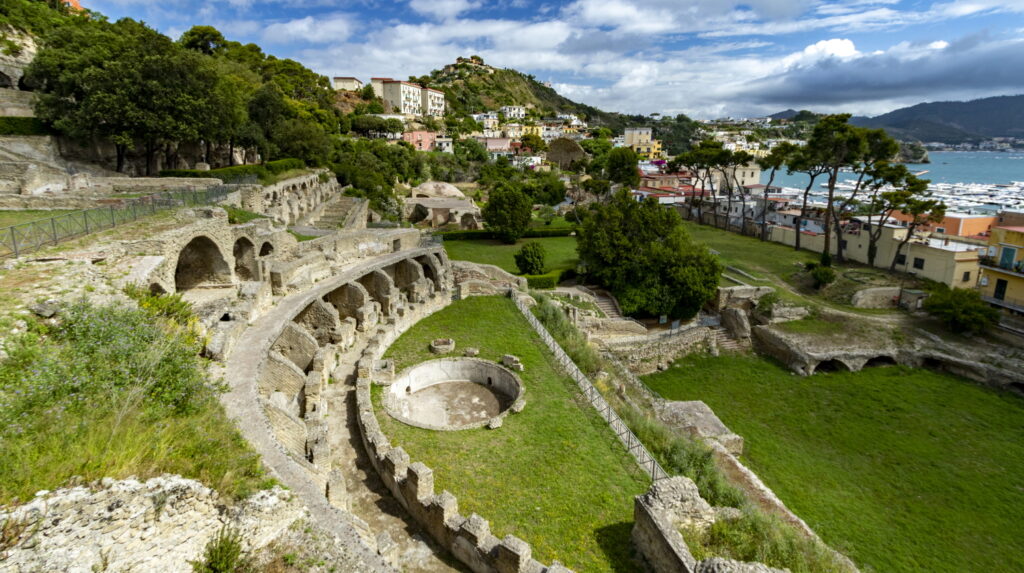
565, 152
806, 160
918, 203
507, 212
838, 145
700, 161
962, 310
775, 160
879, 150
367, 93
598, 187
622, 163
204, 39
883, 204
641, 252
534, 142
530, 259
470, 150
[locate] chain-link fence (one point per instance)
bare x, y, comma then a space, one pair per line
643, 458
26, 238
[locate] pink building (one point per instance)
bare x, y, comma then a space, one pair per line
421, 140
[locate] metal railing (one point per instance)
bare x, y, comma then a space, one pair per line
25, 238
633, 445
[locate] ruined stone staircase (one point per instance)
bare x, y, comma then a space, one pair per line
726, 342
607, 305
335, 212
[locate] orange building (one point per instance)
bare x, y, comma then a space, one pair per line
958, 224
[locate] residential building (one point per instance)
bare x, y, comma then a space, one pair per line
421, 140
641, 140
1002, 269
514, 111
444, 145
347, 84
746, 176
432, 104
403, 97
551, 131
513, 130
960, 224
1011, 219
378, 85
532, 130
487, 120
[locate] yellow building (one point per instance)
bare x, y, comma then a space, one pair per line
1002, 271
533, 129
648, 150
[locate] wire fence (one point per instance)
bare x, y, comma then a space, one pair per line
25, 238
633, 444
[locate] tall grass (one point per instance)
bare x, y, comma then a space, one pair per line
114, 391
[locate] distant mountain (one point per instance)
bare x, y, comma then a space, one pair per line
788, 114
953, 122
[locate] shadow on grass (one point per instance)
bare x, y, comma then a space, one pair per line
616, 544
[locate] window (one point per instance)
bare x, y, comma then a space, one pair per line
901, 259
843, 242
940, 230
918, 263
967, 276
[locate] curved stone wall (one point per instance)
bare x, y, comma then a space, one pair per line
443, 370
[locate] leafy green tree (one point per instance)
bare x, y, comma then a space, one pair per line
598, 187
701, 161
545, 188
883, 203
534, 142
641, 252
470, 149
204, 39
622, 163
302, 139
838, 144
809, 161
823, 276
507, 212
530, 259
879, 149
962, 310
916, 201
775, 160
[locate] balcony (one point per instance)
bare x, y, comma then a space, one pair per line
1013, 304
1016, 269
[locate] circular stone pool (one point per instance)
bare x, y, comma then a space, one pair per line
453, 394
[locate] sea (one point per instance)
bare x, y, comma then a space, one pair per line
986, 167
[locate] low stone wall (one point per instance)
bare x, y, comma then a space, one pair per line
739, 296
157, 525
644, 354
481, 278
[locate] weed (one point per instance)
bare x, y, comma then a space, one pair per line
224, 554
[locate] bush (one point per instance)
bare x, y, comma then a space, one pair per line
225, 174
238, 216
282, 165
545, 281
507, 212
223, 554
167, 305
961, 309
530, 259
23, 126
766, 302
823, 276
826, 260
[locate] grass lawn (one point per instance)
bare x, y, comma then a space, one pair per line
9, 218
560, 252
901, 469
775, 262
554, 474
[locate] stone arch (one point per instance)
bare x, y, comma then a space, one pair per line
200, 263
352, 300
432, 270
380, 286
6, 81
267, 249
245, 260
833, 365
880, 361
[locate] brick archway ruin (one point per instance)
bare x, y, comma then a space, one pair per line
200, 263
245, 260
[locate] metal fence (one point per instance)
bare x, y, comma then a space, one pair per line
643, 458
25, 238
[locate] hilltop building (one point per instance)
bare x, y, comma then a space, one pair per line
347, 84
403, 97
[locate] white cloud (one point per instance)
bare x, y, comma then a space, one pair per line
336, 28
443, 9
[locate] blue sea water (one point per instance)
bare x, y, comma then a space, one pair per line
990, 167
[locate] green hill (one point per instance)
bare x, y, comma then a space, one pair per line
955, 121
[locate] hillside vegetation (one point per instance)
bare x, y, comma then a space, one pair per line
954, 121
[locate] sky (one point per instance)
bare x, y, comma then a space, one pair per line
705, 58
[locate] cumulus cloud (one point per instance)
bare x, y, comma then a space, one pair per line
443, 9
336, 28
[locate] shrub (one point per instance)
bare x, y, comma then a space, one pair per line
225, 174
826, 260
223, 554
546, 281
823, 276
167, 305
530, 259
507, 212
282, 165
23, 126
766, 302
961, 309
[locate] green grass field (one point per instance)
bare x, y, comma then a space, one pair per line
554, 474
560, 252
9, 218
901, 469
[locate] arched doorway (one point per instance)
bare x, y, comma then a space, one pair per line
245, 260
200, 263
6, 82
831, 366
267, 249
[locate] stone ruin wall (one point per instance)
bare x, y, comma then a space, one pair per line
643, 354
412, 483
156, 525
290, 200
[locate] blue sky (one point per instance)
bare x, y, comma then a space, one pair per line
705, 58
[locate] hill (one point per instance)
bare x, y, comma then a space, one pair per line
470, 86
954, 122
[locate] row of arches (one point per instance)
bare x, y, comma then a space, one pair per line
852, 365
201, 263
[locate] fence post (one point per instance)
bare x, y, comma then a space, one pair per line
14, 242
53, 229
113, 218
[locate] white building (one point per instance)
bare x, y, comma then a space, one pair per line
514, 111
347, 84
488, 120
513, 130
635, 136
433, 102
